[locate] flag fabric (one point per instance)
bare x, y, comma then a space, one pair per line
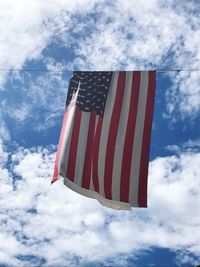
103, 151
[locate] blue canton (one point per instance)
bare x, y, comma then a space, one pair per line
93, 87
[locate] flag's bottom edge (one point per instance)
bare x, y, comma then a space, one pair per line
117, 205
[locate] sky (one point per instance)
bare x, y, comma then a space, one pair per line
44, 225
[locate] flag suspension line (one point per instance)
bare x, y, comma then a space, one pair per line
68, 71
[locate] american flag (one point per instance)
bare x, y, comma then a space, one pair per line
103, 151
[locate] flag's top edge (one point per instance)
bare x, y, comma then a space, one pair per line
111, 71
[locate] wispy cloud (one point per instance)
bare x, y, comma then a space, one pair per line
36, 101
4, 132
183, 98
189, 146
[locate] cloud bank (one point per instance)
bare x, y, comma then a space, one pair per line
52, 225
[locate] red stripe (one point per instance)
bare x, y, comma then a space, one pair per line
112, 136
88, 154
129, 137
96, 154
142, 193
71, 164
56, 174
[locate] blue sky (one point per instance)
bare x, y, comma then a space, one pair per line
43, 225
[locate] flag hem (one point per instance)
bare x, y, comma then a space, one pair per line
117, 205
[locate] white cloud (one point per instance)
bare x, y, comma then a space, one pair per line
4, 132
57, 225
142, 37
26, 27
184, 95
190, 146
36, 102
23, 39
147, 34
116, 35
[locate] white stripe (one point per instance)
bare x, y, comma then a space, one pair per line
137, 144
81, 148
91, 180
116, 178
105, 130
64, 154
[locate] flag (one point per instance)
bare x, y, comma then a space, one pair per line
103, 151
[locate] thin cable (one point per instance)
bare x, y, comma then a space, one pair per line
34, 70
46, 70
177, 70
